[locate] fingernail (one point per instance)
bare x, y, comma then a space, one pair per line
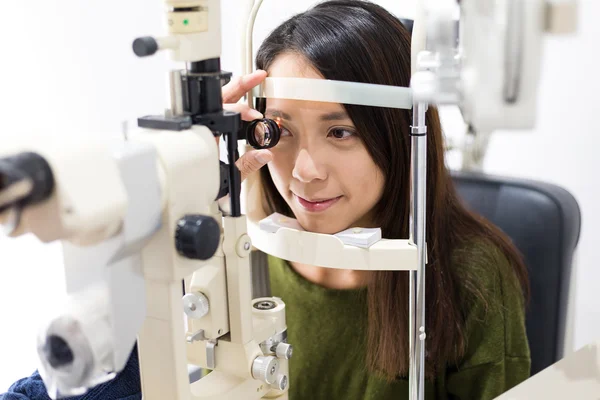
263, 158
255, 114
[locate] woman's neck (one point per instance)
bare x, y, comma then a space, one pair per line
333, 278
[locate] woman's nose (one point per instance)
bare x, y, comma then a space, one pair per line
307, 169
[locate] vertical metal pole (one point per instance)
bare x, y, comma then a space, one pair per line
417, 234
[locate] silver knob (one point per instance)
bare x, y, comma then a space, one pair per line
195, 305
282, 382
284, 350
265, 368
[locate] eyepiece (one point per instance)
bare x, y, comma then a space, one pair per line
263, 133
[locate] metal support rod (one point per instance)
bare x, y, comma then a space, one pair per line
417, 235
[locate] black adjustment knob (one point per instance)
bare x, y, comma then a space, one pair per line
145, 46
58, 352
197, 237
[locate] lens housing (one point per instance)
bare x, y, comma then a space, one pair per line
263, 133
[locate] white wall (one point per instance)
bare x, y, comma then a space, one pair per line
67, 66
563, 149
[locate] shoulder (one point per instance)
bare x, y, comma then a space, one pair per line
486, 273
493, 303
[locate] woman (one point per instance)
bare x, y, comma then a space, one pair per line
339, 166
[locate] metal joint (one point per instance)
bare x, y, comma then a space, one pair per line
269, 346
418, 130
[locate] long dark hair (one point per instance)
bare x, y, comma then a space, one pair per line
352, 40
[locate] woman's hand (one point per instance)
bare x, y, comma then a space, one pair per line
253, 160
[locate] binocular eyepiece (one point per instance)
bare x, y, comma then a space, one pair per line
262, 133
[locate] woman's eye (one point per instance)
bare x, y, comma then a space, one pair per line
341, 133
284, 132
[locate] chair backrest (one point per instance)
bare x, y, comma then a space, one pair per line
544, 222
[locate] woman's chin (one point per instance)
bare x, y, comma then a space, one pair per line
319, 225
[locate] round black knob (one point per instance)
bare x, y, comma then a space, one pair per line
145, 46
58, 352
197, 237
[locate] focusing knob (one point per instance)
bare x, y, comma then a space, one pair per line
265, 368
196, 305
281, 383
197, 237
284, 350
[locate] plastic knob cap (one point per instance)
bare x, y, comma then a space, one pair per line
195, 305
281, 383
265, 368
284, 350
197, 237
145, 46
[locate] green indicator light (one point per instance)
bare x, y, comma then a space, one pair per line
186, 22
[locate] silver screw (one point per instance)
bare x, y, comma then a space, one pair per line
246, 246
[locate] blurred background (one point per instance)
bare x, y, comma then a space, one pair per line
66, 66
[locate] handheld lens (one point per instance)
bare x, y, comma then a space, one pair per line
263, 133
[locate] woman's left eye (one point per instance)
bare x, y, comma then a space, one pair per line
341, 133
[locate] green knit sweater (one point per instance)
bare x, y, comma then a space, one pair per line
327, 329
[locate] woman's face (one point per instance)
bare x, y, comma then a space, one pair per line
320, 166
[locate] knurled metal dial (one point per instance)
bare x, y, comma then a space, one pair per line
265, 368
195, 305
284, 350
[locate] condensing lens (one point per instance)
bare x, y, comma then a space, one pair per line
263, 134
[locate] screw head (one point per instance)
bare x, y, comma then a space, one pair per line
265, 305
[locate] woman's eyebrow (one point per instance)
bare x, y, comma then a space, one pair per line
334, 116
278, 114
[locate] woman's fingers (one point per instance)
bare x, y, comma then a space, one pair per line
239, 86
252, 161
247, 113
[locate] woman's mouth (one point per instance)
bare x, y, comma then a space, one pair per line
316, 205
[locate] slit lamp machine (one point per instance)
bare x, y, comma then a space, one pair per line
145, 216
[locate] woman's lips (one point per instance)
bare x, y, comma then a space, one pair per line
317, 205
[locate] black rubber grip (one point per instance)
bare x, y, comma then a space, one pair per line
145, 46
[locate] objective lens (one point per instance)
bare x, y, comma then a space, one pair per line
263, 133
58, 352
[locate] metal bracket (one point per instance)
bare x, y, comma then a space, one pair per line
210, 347
196, 336
210, 354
